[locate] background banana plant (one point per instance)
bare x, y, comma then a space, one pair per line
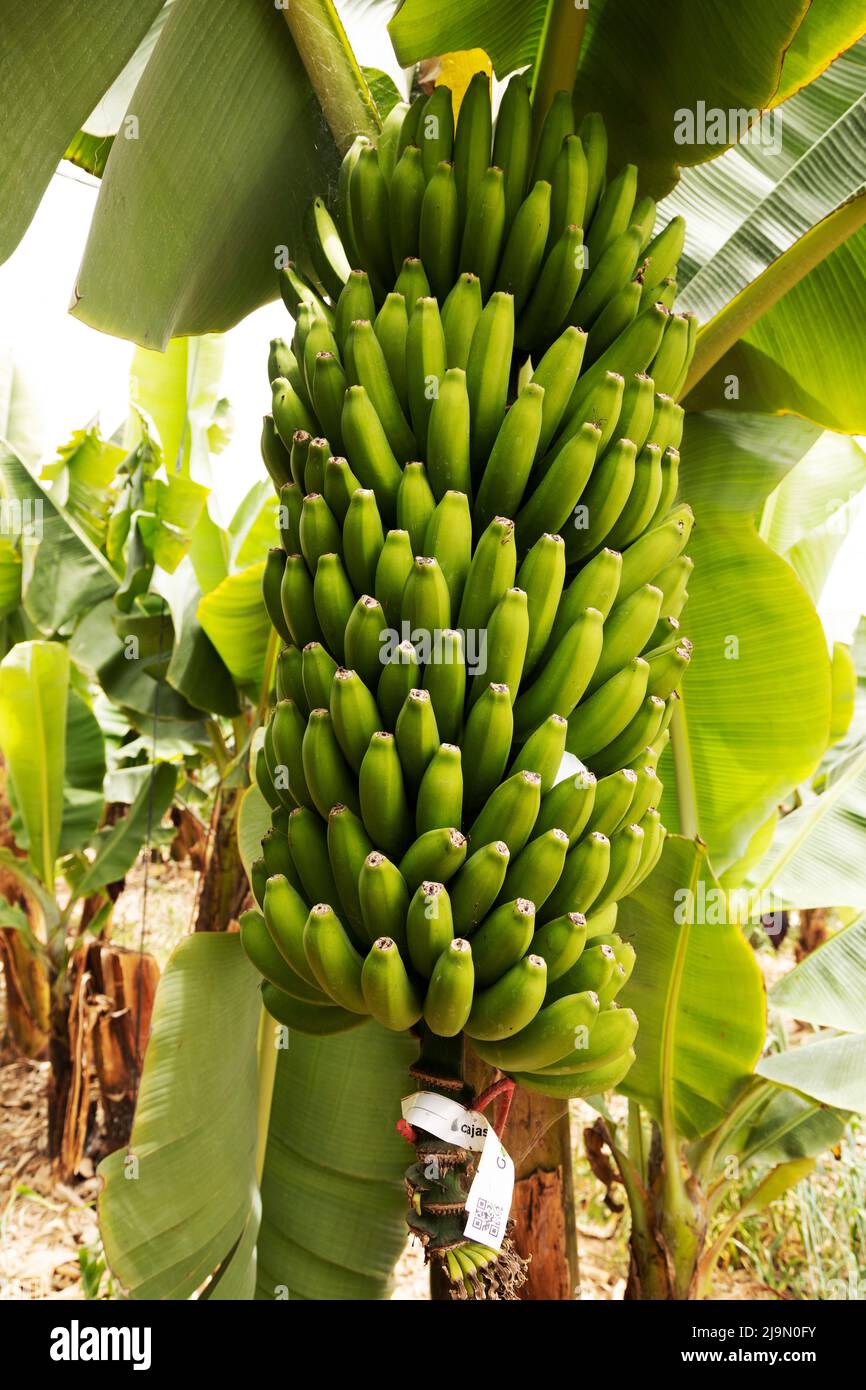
774, 269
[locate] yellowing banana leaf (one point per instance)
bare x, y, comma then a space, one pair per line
693, 1051
509, 31
829, 27
230, 147
233, 616
56, 63
828, 987
117, 846
67, 574
757, 694
816, 856
333, 1201
34, 681
165, 1230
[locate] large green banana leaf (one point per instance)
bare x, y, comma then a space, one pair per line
693, 1052
234, 617
83, 778
230, 146
196, 669
34, 684
180, 391
56, 62
20, 425
332, 1197
757, 695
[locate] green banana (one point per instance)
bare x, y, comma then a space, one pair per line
417, 738
626, 633
308, 844
643, 499
491, 574
448, 538
610, 1037
356, 302
583, 876
568, 806
440, 793
392, 570
412, 283
542, 577
487, 373
525, 243
435, 134
614, 796
275, 455
448, 1001
644, 217
655, 550
590, 973
569, 476
318, 453
632, 352
365, 633
535, 872
667, 670
348, 848
391, 328
543, 751
670, 359
647, 792
557, 373
603, 499
557, 125
600, 924
568, 182
296, 601
510, 1004
512, 142
272, 579
595, 586
372, 457
333, 959
509, 812
415, 505
289, 678
663, 252
445, 682
426, 603
572, 1087
343, 208
487, 742
507, 470
263, 780
669, 484
260, 949
612, 322
448, 433
318, 1020
384, 809
460, 314
435, 856
370, 370
407, 194
319, 532
401, 672
564, 678
560, 942
673, 582
333, 599
384, 899
369, 202
484, 230
389, 142
325, 769
476, 887
603, 715
473, 138
354, 715
439, 232
593, 137
340, 486
328, 388
429, 926
507, 636
389, 994
601, 408
613, 270
426, 365
286, 915
287, 729
550, 1035
547, 306
642, 729
363, 539
625, 854
502, 939
318, 669
613, 214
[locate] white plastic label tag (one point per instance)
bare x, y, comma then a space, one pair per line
489, 1200
447, 1119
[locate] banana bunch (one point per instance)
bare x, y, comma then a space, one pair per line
478, 588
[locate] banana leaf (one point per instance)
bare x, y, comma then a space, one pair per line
180, 391
693, 1053
117, 846
34, 685
332, 1187
20, 425
233, 616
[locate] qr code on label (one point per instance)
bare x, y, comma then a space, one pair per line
487, 1218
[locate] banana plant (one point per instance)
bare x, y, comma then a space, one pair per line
61, 858
766, 298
